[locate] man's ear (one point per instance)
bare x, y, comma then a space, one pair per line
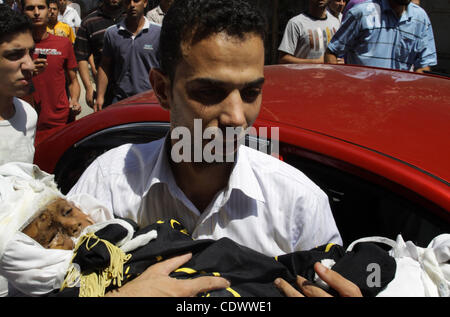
161, 86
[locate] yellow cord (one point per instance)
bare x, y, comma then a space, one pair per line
95, 283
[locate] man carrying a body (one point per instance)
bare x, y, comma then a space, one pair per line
212, 72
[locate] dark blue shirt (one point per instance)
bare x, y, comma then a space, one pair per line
132, 57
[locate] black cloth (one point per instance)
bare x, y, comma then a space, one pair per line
249, 272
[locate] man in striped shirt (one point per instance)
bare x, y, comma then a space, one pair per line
89, 41
393, 34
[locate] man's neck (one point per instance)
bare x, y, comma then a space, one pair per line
201, 182
62, 10
40, 33
7, 109
317, 12
398, 8
134, 24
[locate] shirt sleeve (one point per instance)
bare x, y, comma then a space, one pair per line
82, 46
76, 19
71, 60
314, 223
346, 36
107, 44
426, 50
94, 183
292, 34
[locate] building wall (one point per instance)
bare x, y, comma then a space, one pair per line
439, 13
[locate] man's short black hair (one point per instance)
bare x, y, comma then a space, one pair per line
22, 2
191, 21
12, 22
53, 1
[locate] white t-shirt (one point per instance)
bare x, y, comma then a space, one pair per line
17, 134
268, 205
17, 145
70, 17
307, 37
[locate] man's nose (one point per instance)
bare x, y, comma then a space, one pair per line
28, 63
233, 112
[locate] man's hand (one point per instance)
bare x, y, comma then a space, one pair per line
155, 282
98, 105
344, 287
75, 107
40, 64
89, 96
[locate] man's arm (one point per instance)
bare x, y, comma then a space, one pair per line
423, 69
155, 282
103, 75
74, 89
83, 68
330, 57
286, 58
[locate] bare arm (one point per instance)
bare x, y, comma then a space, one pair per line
86, 79
286, 58
74, 88
103, 75
155, 282
423, 69
330, 57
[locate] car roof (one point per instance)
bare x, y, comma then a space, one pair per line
401, 115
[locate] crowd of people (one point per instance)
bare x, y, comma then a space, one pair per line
205, 61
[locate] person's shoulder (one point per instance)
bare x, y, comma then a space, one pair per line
26, 109
365, 7
273, 170
130, 158
418, 13
331, 19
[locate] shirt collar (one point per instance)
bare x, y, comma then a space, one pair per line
242, 177
122, 25
159, 10
407, 15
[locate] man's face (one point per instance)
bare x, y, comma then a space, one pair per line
135, 8
16, 64
113, 3
336, 5
318, 3
37, 11
62, 4
53, 13
57, 224
218, 80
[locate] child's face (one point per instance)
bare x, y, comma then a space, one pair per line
57, 224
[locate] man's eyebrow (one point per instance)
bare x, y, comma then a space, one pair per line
215, 82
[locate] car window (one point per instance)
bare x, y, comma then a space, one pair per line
363, 208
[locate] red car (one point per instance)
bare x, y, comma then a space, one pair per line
376, 141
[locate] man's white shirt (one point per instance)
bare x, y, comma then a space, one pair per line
70, 17
268, 205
